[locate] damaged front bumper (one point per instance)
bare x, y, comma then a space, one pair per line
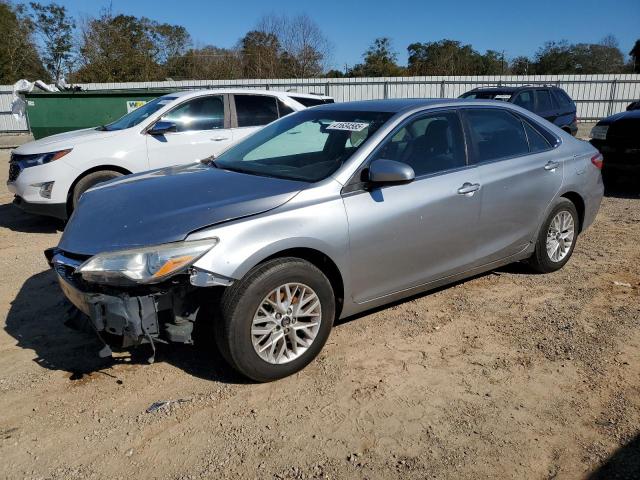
125, 318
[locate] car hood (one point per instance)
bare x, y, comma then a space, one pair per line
65, 140
166, 205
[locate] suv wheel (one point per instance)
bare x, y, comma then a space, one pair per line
557, 238
275, 321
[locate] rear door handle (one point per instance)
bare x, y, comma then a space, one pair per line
468, 188
551, 165
219, 139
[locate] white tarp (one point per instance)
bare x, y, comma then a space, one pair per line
19, 104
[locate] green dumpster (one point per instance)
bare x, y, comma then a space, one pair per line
55, 112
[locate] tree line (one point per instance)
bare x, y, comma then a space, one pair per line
43, 41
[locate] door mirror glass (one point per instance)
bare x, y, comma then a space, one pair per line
162, 127
390, 172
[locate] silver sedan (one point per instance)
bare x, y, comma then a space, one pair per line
323, 214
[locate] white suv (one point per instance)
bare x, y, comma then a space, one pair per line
48, 175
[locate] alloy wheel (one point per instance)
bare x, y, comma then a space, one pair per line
286, 323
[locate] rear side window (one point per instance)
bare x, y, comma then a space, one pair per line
312, 102
543, 101
496, 134
255, 110
202, 113
562, 98
524, 99
537, 143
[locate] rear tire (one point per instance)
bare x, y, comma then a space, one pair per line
249, 321
89, 181
557, 238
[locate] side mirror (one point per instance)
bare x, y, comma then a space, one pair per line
160, 128
390, 172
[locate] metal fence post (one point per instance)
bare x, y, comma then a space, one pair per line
612, 96
386, 90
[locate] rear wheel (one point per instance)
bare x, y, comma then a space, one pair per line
89, 181
276, 320
557, 238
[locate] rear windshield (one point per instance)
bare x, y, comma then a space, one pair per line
309, 145
136, 116
504, 96
312, 102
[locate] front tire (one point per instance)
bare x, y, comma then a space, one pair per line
89, 181
275, 321
557, 238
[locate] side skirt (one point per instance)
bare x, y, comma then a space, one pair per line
354, 308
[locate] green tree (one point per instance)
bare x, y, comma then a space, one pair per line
493, 63
18, 54
55, 28
522, 66
260, 54
582, 58
555, 58
123, 48
635, 57
207, 63
380, 60
445, 57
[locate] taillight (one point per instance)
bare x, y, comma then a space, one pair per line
597, 161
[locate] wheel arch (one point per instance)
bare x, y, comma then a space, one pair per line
91, 170
578, 201
320, 260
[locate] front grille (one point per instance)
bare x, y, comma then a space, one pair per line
14, 171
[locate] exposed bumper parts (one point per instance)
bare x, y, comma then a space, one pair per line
124, 319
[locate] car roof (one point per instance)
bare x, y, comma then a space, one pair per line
397, 105
250, 91
502, 89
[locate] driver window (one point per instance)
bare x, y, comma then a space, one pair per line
203, 113
429, 144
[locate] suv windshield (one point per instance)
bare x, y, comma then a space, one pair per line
133, 118
307, 146
492, 95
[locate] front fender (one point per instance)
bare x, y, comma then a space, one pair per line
246, 242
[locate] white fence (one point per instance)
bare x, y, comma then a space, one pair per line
596, 96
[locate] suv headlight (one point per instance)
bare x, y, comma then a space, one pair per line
26, 161
144, 265
599, 132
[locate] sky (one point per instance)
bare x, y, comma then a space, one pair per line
518, 28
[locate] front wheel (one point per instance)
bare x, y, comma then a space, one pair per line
557, 238
89, 181
275, 321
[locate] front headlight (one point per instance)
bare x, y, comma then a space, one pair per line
36, 159
144, 265
599, 132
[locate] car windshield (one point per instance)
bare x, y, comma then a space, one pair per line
505, 96
307, 146
133, 118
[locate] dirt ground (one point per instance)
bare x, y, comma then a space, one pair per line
509, 375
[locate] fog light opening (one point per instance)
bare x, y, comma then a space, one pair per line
45, 189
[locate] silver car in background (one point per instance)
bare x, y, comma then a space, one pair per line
321, 215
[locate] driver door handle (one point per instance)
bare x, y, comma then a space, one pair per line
468, 188
551, 165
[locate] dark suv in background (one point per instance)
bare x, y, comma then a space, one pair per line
551, 103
